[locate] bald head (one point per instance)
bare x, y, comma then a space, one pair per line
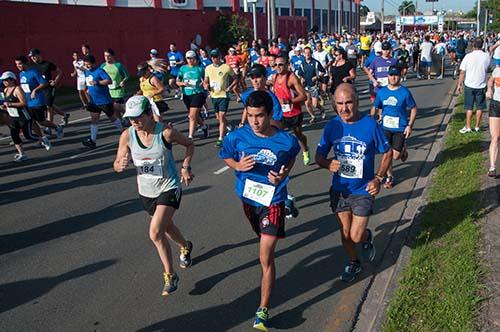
346, 102
346, 88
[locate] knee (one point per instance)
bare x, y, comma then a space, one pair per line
156, 235
266, 261
396, 155
192, 116
357, 237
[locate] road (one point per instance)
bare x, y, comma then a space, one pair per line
75, 253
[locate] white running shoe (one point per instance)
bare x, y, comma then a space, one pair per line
45, 143
18, 157
465, 130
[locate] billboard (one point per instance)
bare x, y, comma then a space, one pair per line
426, 20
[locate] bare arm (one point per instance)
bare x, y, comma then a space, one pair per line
122, 154
413, 116
461, 79
489, 91
158, 85
299, 89
330, 164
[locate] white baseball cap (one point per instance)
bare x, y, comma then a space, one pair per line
136, 105
7, 74
153, 51
190, 54
297, 49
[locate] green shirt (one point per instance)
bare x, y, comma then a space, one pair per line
118, 73
193, 76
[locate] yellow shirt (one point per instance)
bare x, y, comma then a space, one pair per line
218, 78
365, 43
148, 89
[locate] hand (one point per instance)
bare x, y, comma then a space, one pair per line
33, 94
489, 94
241, 124
3, 106
345, 80
186, 176
72, 74
373, 187
52, 83
460, 88
276, 178
122, 84
334, 166
123, 164
407, 131
246, 163
375, 83
91, 83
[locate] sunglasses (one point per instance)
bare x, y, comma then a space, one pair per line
280, 64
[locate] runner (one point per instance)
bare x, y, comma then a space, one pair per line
151, 86
321, 56
403, 59
119, 75
217, 76
149, 144
342, 71
46, 68
365, 48
391, 105
79, 73
176, 60
355, 139
33, 83
426, 57
234, 61
379, 68
13, 114
493, 93
310, 72
262, 157
190, 79
291, 94
97, 81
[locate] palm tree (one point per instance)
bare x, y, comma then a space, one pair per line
407, 7
363, 10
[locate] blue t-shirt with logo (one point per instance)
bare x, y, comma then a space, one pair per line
173, 58
394, 105
277, 110
269, 153
29, 80
296, 61
99, 94
254, 55
355, 146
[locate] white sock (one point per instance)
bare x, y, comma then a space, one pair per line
118, 124
93, 132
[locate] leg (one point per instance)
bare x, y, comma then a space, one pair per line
345, 223
266, 256
495, 138
479, 114
468, 118
94, 120
358, 229
309, 106
193, 119
161, 221
222, 123
301, 137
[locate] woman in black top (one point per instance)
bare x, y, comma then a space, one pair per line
341, 70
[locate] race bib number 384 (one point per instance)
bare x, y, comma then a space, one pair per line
258, 192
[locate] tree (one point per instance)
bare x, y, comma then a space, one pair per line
229, 28
407, 7
363, 10
492, 6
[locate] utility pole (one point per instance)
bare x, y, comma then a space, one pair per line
272, 5
478, 25
382, 15
268, 12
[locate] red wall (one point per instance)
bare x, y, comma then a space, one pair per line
58, 30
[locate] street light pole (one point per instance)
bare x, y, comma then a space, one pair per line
382, 15
478, 25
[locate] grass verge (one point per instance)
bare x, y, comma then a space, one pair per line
439, 288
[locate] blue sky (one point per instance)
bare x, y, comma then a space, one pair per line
391, 5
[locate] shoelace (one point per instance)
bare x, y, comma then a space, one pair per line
262, 314
168, 277
185, 251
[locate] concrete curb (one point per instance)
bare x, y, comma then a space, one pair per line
372, 309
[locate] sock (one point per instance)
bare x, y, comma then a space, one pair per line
118, 124
93, 132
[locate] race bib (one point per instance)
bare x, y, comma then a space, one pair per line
112, 85
215, 86
149, 168
258, 192
191, 83
286, 108
390, 121
383, 81
350, 51
89, 80
351, 168
26, 87
13, 112
173, 63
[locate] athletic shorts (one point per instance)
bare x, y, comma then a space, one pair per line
364, 52
268, 220
50, 95
474, 97
324, 79
395, 139
426, 64
359, 205
162, 106
220, 104
106, 109
120, 100
313, 91
459, 56
80, 84
39, 114
294, 121
494, 109
196, 101
168, 198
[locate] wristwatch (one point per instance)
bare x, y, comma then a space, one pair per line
188, 168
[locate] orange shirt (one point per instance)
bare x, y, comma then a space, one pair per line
233, 61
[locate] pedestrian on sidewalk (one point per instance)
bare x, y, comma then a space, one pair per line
493, 93
472, 82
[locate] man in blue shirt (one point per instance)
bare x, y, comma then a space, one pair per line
391, 105
311, 72
355, 140
33, 85
262, 157
100, 100
296, 60
175, 60
379, 67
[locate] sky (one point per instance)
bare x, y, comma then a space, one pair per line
391, 5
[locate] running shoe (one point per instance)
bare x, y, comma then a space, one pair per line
218, 143
19, 157
351, 271
45, 143
205, 130
465, 130
440, 77
312, 120
323, 115
65, 121
89, 143
290, 210
185, 256
307, 157
60, 132
492, 173
171, 280
368, 251
204, 114
477, 129
261, 318
47, 131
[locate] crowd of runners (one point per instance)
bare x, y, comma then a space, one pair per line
274, 82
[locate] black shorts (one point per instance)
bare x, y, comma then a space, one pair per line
220, 104
359, 205
324, 79
364, 52
169, 198
494, 110
267, 220
396, 140
195, 101
120, 100
162, 106
50, 95
294, 121
38, 114
106, 109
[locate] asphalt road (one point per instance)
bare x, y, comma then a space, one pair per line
75, 253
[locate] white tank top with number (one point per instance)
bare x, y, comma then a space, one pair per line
155, 164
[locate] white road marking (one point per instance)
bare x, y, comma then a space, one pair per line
222, 170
